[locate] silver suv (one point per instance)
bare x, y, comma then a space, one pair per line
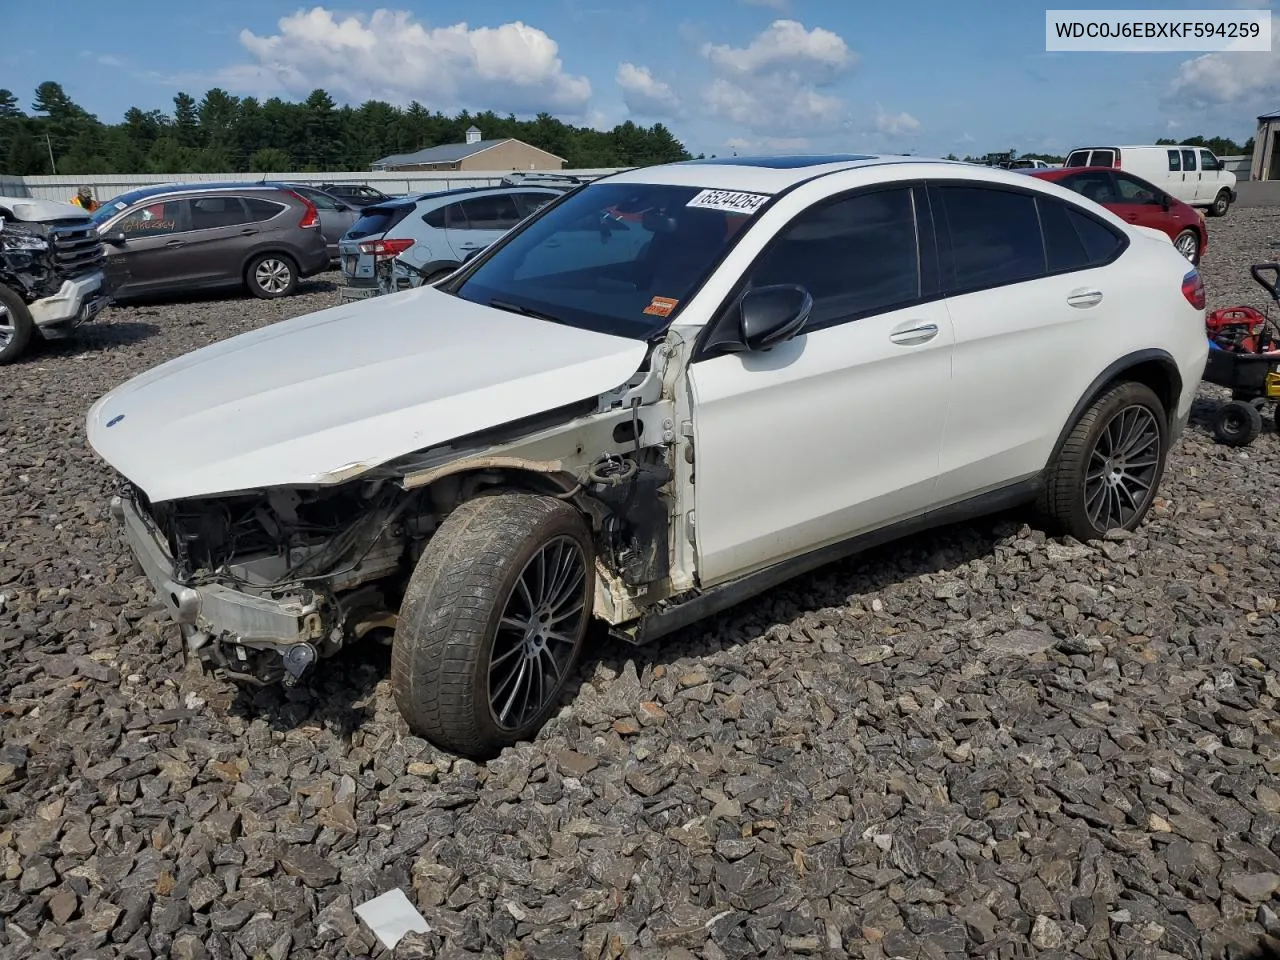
431, 234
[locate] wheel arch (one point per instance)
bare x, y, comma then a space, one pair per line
1151, 367
268, 250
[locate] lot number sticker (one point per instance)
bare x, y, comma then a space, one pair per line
729, 201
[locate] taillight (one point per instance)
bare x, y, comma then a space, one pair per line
386, 248
310, 216
1117, 161
1193, 289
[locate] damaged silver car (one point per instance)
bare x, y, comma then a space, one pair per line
665, 391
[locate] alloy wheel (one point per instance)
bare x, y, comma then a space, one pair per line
535, 642
1122, 470
273, 275
8, 329
1188, 246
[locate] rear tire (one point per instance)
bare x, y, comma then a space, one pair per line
1109, 468
271, 276
1188, 244
492, 622
1237, 423
17, 328
1221, 204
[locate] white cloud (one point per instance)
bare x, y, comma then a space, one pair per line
768, 144
644, 95
784, 45
1229, 77
895, 124
391, 55
773, 85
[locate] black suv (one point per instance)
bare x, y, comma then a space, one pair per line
356, 194
190, 236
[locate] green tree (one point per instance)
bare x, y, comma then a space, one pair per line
270, 160
186, 121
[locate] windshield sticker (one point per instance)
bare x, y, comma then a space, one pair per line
729, 201
661, 306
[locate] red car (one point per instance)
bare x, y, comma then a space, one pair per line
1137, 201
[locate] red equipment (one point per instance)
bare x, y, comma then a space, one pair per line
1239, 330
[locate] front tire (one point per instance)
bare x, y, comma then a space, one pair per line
1221, 204
1106, 475
271, 276
492, 622
16, 326
1237, 423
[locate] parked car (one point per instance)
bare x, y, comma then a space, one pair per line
1192, 174
192, 236
336, 215
52, 276
433, 233
784, 361
1137, 201
357, 194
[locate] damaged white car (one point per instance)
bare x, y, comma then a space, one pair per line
666, 391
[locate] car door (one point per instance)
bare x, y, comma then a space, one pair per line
838, 430
221, 231
150, 255
1138, 202
473, 224
1027, 297
1210, 176
1187, 188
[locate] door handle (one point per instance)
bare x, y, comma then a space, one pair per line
175, 243
248, 232
1084, 298
920, 333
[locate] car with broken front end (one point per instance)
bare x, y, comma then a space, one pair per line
664, 392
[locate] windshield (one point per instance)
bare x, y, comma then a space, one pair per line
617, 258
110, 209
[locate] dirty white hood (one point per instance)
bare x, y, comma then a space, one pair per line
36, 210
344, 389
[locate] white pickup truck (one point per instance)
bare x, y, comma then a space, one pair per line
52, 272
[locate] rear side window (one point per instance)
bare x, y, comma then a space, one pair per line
1175, 161
496, 212
208, 213
1078, 158
856, 256
1096, 186
995, 237
1103, 158
1188, 161
377, 220
260, 209
1073, 240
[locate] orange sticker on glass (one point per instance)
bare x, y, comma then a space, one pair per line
661, 306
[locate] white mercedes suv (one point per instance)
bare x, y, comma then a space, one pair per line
665, 391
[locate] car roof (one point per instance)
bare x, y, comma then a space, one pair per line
144, 193
771, 175
417, 198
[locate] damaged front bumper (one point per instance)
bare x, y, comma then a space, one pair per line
77, 301
248, 636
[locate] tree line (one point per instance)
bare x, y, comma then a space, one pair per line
221, 133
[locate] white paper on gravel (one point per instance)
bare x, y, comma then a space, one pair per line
390, 916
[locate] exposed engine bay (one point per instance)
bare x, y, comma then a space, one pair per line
344, 554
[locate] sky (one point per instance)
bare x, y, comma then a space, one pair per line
927, 77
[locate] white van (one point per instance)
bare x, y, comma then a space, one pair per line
1192, 174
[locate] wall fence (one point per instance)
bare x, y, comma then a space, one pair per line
106, 186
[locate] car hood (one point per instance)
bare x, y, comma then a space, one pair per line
323, 397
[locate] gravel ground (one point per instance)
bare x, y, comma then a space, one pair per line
978, 741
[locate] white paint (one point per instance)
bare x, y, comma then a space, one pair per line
361, 383
37, 210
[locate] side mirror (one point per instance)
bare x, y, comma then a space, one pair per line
114, 237
473, 254
1164, 202
768, 316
